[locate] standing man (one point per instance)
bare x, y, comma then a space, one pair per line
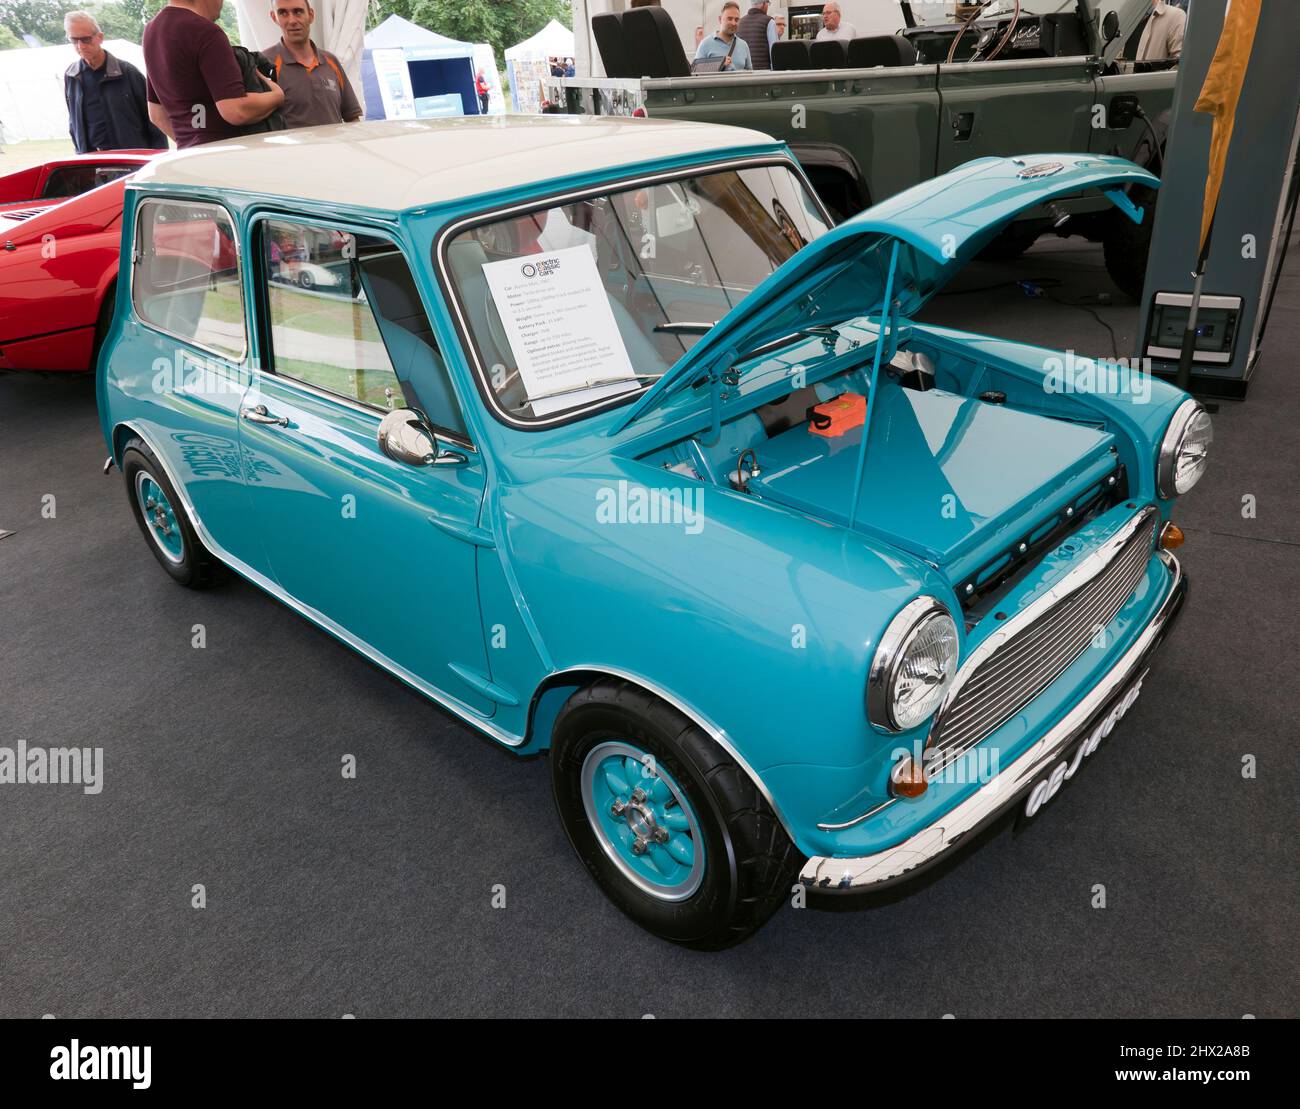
107, 109
758, 29
725, 41
1162, 38
484, 93
834, 26
316, 90
195, 86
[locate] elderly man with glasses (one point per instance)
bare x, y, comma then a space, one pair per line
107, 109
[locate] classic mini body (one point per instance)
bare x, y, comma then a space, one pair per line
795, 591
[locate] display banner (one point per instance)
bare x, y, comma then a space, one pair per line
356, 1057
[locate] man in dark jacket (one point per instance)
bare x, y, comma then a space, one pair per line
105, 95
758, 29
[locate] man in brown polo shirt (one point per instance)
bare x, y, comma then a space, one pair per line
316, 90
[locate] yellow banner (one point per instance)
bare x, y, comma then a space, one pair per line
1221, 93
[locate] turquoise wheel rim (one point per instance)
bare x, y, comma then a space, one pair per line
159, 517
643, 821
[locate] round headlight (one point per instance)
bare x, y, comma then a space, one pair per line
914, 666
1185, 452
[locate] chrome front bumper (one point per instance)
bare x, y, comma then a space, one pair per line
937, 840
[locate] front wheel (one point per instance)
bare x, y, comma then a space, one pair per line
673, 830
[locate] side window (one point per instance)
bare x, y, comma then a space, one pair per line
186, 276
345, 316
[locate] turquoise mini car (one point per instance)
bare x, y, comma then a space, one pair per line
599, 434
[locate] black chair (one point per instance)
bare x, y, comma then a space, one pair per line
890, 50
792, 54
608, 31
829, 54
653, 48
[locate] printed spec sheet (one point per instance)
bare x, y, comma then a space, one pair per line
561, 328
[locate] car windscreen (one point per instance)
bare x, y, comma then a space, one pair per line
584, 303
66, 181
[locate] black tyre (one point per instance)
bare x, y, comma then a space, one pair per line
628, 769
102, 323
1011, 242
1127, 244
163, 520
305, 279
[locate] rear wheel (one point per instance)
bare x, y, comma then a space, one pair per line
672, 829
161, 516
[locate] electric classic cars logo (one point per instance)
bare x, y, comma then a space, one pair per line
543, 268
1041, 169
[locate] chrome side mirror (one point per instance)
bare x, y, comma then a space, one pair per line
405, 436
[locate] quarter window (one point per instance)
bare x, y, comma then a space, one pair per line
346, 317
186, 275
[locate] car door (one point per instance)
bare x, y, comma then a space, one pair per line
378, 550
182, 356
1019, 107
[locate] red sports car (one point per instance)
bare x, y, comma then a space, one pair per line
60, 232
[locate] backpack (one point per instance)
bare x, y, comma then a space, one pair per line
251, 63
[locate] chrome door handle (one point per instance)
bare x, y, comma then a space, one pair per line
259, 415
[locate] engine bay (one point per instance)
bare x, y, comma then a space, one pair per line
974, 485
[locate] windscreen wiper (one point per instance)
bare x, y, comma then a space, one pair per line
684, 328
586, 385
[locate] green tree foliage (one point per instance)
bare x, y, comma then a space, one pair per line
500, 23
42, 18
119, 19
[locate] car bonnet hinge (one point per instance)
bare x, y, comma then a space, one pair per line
1120, 199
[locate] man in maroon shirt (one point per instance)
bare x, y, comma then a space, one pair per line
195, 87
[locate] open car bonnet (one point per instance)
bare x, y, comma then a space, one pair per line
938, 226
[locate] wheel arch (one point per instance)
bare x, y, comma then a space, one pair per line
556, 689
829, 164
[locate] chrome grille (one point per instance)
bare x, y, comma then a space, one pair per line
1020, 668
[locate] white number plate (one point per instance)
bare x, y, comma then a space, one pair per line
1049, 785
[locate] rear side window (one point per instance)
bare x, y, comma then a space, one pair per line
186, 275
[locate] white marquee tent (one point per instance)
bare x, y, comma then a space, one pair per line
527, 62
31, 88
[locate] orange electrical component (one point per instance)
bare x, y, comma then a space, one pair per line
1171, 536
833, 418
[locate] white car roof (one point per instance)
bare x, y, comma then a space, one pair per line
398, 164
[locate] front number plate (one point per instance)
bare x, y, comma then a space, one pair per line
1050, 782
